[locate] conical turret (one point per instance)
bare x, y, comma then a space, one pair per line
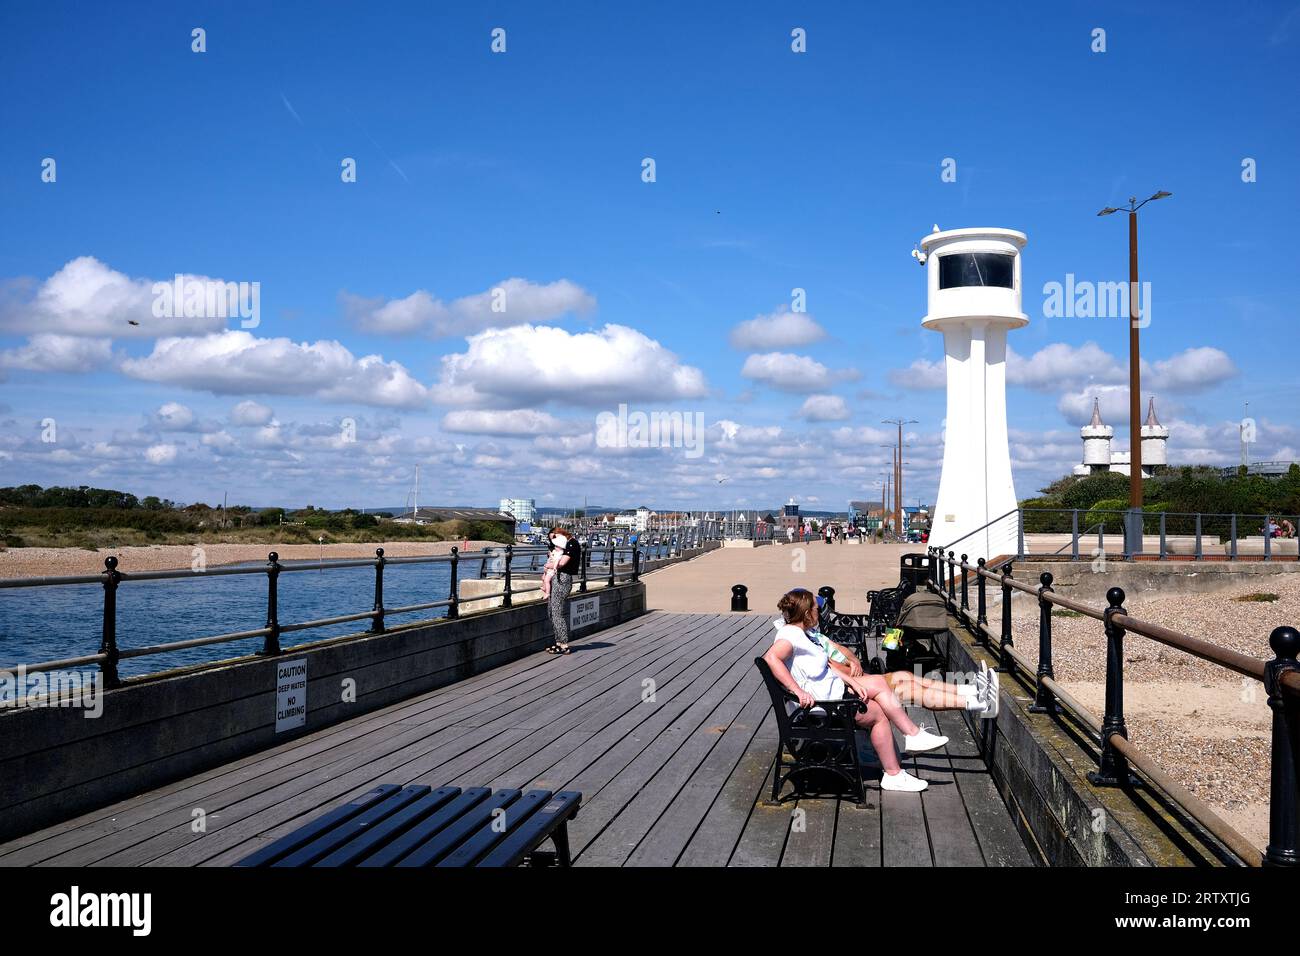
1154, 439
1096, 441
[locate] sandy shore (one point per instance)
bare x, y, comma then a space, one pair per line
41, 562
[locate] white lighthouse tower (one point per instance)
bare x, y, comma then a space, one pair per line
974, 282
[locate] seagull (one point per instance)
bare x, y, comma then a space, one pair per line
722, 478
132, 322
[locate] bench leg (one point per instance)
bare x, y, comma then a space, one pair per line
561, 838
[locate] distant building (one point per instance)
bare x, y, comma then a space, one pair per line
1099, 457
523, 509
790, 517
861, 511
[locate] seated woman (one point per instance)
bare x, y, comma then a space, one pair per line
804, 667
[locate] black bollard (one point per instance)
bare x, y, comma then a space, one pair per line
739, 597
827, 592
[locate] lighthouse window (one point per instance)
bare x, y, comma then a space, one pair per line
976, 268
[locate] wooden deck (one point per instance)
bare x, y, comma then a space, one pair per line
661, 722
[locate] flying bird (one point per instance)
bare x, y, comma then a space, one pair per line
132, 322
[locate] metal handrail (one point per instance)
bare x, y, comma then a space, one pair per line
1281, 679
110, 654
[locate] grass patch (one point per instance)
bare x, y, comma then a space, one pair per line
1262, 597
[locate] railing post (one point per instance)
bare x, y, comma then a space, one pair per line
965, 590
1162, 537
108, 638
271, 645
583, 565
1284, 814
506, 598
1101, 539
611, 563
1232, 554
1044, 700
934, 565
981, 616
1268, 540
1074, 535
952, 581
1005, 641
636, 563
1112, 770
1199, 553
453, 609
377, 625
1020, 535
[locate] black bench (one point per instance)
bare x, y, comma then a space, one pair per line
818, 746
417, 825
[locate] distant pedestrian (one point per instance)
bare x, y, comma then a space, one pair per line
789, 533
564, 559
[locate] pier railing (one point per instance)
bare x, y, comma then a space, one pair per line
500, 562
951, 577
1086, 534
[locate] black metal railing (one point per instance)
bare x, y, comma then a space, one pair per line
501, 561
1117, 757
1166, 535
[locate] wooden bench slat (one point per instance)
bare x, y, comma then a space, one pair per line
292, 841
376, 836
347, 830
489, 835
534, 831
425, 829
429, 853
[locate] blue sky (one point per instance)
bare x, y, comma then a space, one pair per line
775, 170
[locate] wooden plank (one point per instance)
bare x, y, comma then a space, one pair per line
763, 839
952, 840
714, 841
1000, 842
857, 832
812, 833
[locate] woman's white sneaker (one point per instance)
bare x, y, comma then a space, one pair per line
902, 781
923, 741
991, 696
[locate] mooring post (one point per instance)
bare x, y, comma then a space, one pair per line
611, 562
272, 643
981, 616
827, 592
1044, 700
739, 597
1112, 769
965, 591
108, 638
377, 624
506, 600
453, 609
1283, 814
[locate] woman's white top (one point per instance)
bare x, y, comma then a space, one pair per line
810, 667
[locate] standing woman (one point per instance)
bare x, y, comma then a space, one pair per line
564, 560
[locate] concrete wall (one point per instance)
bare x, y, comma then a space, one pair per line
55, 763
1088, 581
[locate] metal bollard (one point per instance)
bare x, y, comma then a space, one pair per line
952, 581
377, 625
108, 636
506, 598
739, 597
453, 609
1006, 617
965, 590
827, 592
272, 643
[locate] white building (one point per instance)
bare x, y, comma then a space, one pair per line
974, 296
1098, 456
523, 509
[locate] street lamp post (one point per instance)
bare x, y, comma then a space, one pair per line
1133, 532
898, 471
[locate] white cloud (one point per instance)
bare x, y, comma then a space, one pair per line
58, 353
534, 364
1077, 406
782, 329
512, 302
236, 362
1059, 365
787, 372
921, 374
824, 408
1190, 371
87, 298
509, 422
250, 412
160, 454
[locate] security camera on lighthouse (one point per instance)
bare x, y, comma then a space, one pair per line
974, 296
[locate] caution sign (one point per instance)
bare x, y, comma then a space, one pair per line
584, 611
290, 695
